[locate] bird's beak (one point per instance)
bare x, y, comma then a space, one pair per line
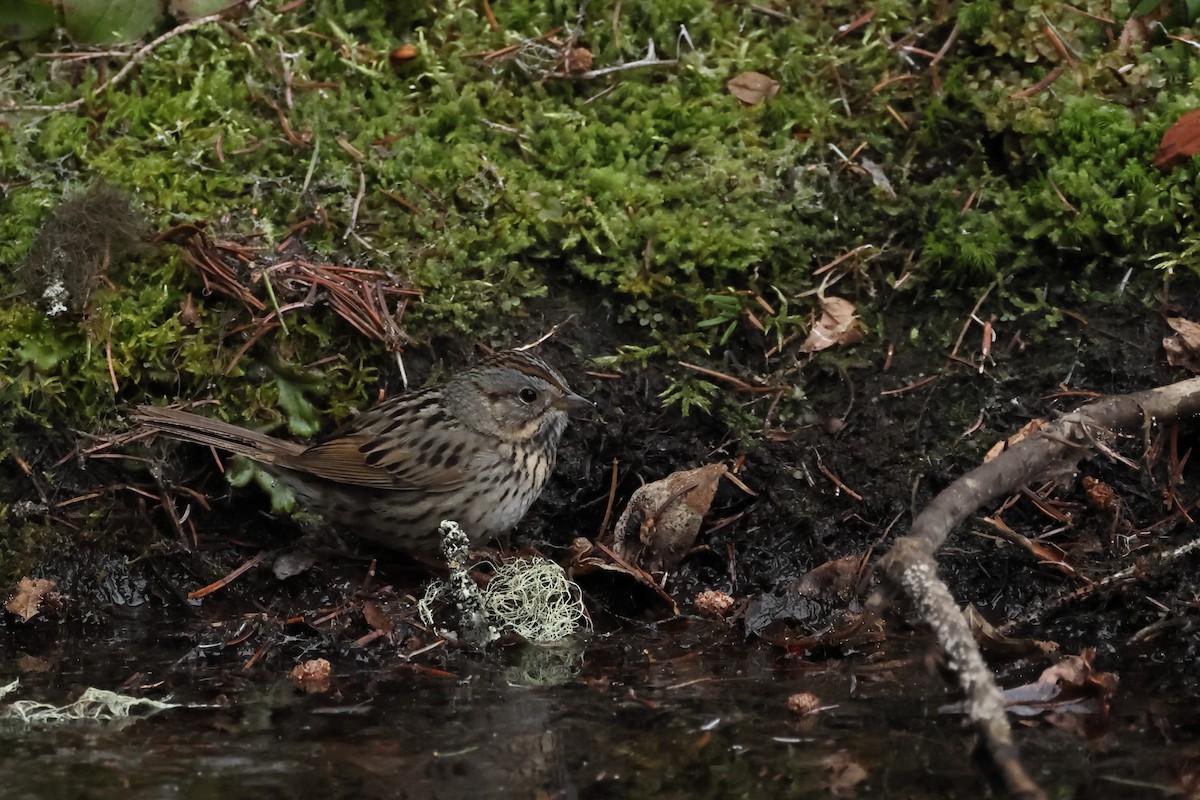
573, 402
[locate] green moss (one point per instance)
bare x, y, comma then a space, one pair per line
653, 191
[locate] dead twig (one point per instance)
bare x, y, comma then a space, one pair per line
136, 58
1038, 87
612, 496
232, 576
736, 383
910, 387
650, 60
828, 473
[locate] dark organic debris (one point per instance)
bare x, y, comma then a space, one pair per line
662, 519
1183, 347
312, 677
78, 243
752, 88
371, 301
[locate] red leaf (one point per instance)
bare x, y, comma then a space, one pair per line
1181, 141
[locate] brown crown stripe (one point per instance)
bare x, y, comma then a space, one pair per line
530, 365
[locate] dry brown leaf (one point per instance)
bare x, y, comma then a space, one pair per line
833, 580
752, 88
660, 523
578, 60
312, 677
1133, 35
27, 600
804, 703
1001, 446
711, 603
28, 663
1183, 348
1180, 142
1072, 686
997, 645
838, 325
375, 617
845, 773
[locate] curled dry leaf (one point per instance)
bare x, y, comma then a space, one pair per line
403, 53
845, 773
752, 88
803, 703
312, 677
376, 618
1180, 142
662, 519
834, 580
998, 646
577, 60
1100, 495
27, 600
711, 603
1183, 348
1072, 686
1001, 446
837, 325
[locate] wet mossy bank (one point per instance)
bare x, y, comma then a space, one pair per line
912, 161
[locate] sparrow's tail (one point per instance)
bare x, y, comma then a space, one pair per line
204, 430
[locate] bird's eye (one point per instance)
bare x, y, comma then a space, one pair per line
527, 395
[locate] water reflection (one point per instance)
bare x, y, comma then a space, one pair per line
693, 713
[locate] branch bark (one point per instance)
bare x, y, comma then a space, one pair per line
1054, 451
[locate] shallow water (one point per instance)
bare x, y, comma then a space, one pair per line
685, 710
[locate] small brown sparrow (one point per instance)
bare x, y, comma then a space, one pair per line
477, 450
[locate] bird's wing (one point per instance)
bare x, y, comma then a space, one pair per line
376, 462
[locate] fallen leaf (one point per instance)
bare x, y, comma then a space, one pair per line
752, 88
660, 523
1133, 35
1001, 446
312, 677
1100, 495
711, 603
375, 617
27, 600
1180, 142
845, 773
1072, 686
578, 60
803, 703
996, 645
833, 580
28, 663
1183, 349
837, 325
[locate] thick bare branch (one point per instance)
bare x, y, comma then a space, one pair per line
1051, 452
